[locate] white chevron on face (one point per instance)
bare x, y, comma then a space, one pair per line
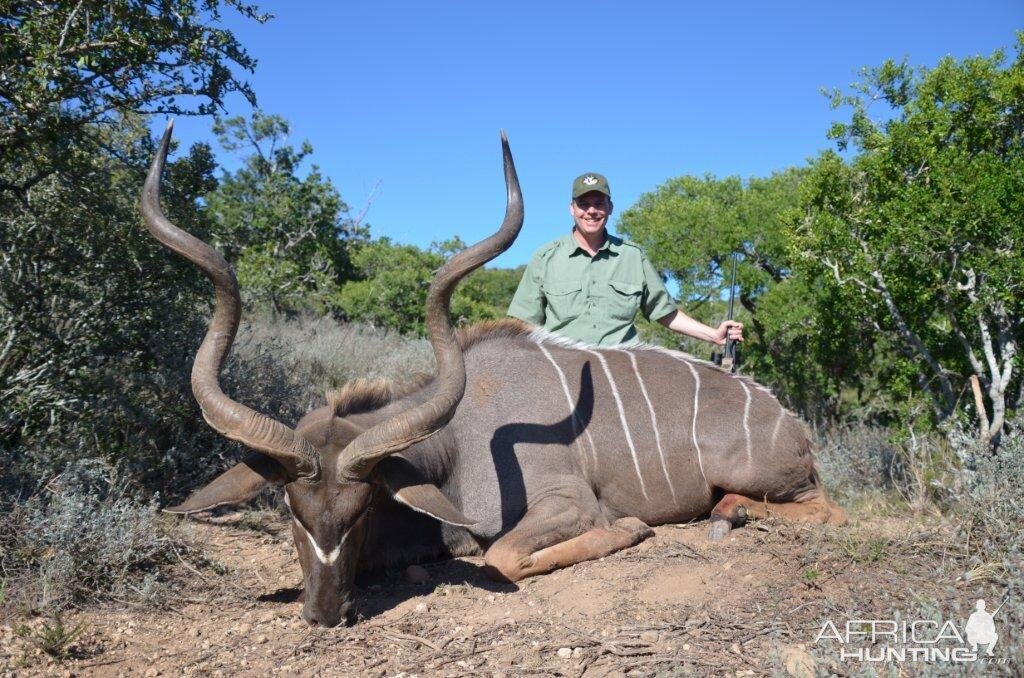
325, 558
622, 418
576, 425
654, 424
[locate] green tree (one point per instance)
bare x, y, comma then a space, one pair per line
287, 235
692, 226
393, 281
68, 70
392, 287
924, 224
97, 322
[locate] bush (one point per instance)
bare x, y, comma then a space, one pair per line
84, 538
323, 353
98, 321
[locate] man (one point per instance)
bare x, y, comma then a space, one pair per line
588, 285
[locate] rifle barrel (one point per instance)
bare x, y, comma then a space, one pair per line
732, 288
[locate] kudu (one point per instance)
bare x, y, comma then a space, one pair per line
536, 451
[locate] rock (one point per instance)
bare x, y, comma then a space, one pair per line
686, 647
414, 574
798, 662
565, 652
261, 639
577, 652
650, 636
152, 673
421, 607
243, 629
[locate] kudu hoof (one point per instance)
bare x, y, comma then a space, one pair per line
719, 528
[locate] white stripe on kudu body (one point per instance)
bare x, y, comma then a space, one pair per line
696, 402
654, 424
778, 425
572, 407
746, 421
622, 418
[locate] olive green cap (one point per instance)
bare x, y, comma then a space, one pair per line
591, 181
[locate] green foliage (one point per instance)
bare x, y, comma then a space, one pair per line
394, 280
690, 227
69, 66
392, 291
53, 637
287, 235
96, 319
923, 227
485, 294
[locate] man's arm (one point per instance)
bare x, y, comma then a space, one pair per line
677, 321
528, 301
658, 304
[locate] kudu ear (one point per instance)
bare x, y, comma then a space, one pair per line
410, 487
238, 484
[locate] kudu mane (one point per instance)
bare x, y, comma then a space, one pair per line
366, 395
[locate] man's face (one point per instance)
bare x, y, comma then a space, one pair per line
590, 211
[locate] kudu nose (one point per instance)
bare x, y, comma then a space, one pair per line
330, 619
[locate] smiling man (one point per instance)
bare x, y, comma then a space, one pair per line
588, 285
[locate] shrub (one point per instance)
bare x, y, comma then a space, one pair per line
84, 538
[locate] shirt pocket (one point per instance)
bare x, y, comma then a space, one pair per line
563, 300
624, 299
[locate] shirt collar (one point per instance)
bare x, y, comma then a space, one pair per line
574, 247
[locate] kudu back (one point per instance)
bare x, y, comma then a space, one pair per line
536, 451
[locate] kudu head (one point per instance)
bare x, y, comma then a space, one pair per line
330, 469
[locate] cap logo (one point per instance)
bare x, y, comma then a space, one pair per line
589, 180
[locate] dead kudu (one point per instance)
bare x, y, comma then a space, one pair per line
535, 451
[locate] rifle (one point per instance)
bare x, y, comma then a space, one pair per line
730, 358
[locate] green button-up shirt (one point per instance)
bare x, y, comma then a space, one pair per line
590, 299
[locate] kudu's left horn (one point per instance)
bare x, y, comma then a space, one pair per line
230, 418
399, 432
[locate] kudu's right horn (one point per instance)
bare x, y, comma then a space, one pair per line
399, 432
232, 419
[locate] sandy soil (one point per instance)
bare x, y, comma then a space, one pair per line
674, 605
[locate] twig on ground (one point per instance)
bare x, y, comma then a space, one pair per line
394, 635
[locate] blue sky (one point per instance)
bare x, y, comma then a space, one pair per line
410, 96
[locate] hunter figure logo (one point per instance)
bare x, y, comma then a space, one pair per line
589, 180
981, 628
914, 640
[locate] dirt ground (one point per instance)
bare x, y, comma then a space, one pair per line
673, 605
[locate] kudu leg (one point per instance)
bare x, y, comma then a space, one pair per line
734, 509
542, 544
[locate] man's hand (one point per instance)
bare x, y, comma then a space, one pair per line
729, 329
